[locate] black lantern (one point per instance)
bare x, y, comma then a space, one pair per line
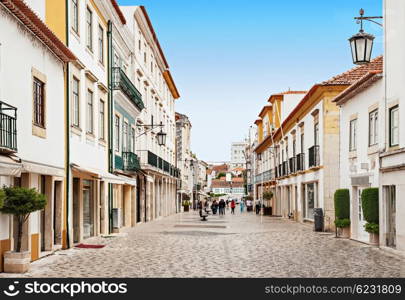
161, 138
361, 43
259, 156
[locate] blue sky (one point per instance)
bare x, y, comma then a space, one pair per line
228, 56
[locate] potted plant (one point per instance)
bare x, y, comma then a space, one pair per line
369, 204
20, 202
267, 195
342, 212
186, 205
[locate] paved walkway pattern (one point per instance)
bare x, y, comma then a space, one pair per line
241, 245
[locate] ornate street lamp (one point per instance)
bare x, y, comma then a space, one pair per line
161, 138
361, 43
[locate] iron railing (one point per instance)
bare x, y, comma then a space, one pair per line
8, 127
292, 165
131, 162
285, 168
163, 165
120, 81
300, 162
313, 156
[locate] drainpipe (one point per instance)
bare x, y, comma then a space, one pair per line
67, 130
110, 120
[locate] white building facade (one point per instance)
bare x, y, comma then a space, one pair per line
392, 156
158, 187
238, 159
32, 140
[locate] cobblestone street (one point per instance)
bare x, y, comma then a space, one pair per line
232, 246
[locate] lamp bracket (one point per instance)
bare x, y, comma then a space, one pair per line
149, 126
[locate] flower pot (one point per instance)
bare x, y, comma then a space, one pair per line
344, 232
17, 262
186, 208
374, 239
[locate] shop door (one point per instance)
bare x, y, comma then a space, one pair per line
310, 201
391, 215
362, 233
88, 225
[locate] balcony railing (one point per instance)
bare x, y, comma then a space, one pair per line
131, 162
291, 164
313, 156
266, 176
163, 165
285, 168
300, 162
8, 127
120, 81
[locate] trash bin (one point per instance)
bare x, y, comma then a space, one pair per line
318, 219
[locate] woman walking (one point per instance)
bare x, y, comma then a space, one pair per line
242, 206
233, 205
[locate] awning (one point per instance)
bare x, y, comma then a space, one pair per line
92, 172
9, 167
32, 167
127, 180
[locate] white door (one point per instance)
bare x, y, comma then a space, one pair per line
362, 233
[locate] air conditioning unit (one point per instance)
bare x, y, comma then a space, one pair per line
116, 217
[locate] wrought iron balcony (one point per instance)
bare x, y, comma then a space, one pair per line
285, 168
292, 165
266, 176
163, 165
313, 156
8, 128
120, 81
280, 170
300, 162
131, 162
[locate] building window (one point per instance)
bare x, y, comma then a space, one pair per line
90, 111
125, 138
76, 103
117, 133
316, 134
373, 128
89, 28
102, 119
132, 140
353, 135
394, 126
75, 16
39, 103
101, 44
302, 142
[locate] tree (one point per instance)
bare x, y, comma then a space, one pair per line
2, 196
267, 195
21, 202
222, 174
369, 205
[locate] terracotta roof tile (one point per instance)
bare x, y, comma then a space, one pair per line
354, 74
25, 14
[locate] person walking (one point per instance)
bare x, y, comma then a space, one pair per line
258, 207
221, 207
242, 206
233, 205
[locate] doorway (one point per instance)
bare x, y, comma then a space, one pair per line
138, 200
57, 212
43, 212
390, 196
88, 207
362, 233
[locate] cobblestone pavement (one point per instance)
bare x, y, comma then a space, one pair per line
232, 246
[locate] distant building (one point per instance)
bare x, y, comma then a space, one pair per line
232, 189
238, 159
